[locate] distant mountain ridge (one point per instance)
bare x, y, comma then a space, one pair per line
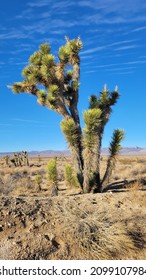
127, 151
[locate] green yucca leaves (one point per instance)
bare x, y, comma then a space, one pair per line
114, 97
92, 122
93, 102
68, 76
64, 53
42, 97
74, 45
35, 58
48, 60
115, 145
70, 176
44, 48
52, 173
53, 92
17, 87
32, 74
70, 131
92, 117
75, 85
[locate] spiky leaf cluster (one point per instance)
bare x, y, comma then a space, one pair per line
52, 173
17, 87
42, 96
92, 117
73, 47
115, 145
70, 176
70, 131
104, 102
41, 66
59, 82
93, 102
64, 54
92, 122
53, 92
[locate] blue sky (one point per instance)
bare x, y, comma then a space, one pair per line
114, 37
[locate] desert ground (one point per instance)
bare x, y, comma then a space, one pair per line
37, 224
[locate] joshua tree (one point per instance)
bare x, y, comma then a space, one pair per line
56, 86
7, 159
70, 176
52, 175
24, 157
38, 181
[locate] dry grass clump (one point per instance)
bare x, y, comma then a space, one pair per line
92, 239
134, 186
17, 183
94, 235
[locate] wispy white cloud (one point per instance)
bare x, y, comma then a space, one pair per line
89, 71
120, 68
114, 5
136, 62
26, 14
139, 29
114, 65
100, 48
83, 57
92, 50
112, 11
38, 3
121, 73
142, 56
27, 121
13, 34
126, 47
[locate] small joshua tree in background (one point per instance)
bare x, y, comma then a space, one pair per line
52, 176
70, 176
38, 181
59, 81
39, 159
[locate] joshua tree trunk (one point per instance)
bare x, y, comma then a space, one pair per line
77, 162
108, 173
92, 167
77, 149
92, 145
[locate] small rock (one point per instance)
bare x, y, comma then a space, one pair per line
1, 228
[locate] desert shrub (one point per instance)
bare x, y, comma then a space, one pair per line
16, 183
38, 181
52, 173
70, 176
135, 185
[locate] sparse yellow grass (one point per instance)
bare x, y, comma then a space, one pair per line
126, 168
